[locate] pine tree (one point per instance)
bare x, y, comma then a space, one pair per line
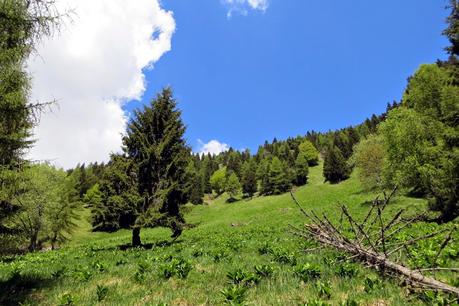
155, 143
301, 169
335, 167
249, 178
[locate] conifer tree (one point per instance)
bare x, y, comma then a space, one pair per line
277, 180
301, 169
335, 167
452, 31
249, 178
22, 24
154, 142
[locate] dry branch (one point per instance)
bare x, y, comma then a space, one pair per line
327, 234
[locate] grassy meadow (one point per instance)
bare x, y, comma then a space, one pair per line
239, 253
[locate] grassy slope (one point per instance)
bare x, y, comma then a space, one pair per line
227, 237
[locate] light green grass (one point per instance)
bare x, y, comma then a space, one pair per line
226, 237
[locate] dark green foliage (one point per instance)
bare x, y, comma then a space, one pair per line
335, 166
452, 31
154, 143
120, 201
301, 169
249, 178
194, 184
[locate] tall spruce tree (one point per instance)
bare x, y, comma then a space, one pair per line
452, 31
301, 169
335, 166
154, 142
249, 178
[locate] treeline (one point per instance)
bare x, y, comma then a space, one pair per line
273, 169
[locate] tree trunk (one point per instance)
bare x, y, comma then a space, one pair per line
136, 237
33, 242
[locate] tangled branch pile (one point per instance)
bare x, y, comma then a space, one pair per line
370, 242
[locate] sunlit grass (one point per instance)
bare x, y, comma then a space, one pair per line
226, 238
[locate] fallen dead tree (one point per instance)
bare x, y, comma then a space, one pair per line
370, 243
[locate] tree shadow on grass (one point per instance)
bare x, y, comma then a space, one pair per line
148, 246
21, 288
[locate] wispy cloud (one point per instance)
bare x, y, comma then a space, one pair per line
243, 6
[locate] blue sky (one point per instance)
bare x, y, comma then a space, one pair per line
299, 65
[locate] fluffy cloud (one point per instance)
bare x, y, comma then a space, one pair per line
212, 147
91, 68
242, 6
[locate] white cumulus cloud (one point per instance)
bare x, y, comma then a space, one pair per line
243, 6
91, 68
213, 147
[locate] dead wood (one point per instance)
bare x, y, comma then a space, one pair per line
374, 249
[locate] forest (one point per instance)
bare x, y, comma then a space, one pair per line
159, 224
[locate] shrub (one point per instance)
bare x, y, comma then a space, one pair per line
346, 270
307, 272
264, 270
239, 277
265, 249
235, 295
177, 267
284, 257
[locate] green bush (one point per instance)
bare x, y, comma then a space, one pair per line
308, 272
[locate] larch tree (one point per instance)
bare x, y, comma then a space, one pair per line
22, 24
232, 186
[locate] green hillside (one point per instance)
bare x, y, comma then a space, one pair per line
222, 239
